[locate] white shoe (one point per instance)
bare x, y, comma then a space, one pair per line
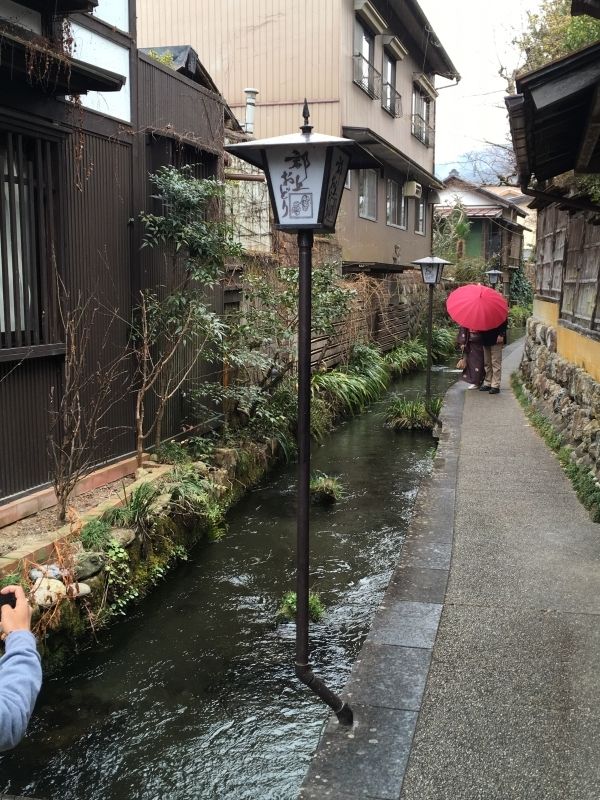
472, 386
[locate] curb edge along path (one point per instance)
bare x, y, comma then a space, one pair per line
505, 706
388, 678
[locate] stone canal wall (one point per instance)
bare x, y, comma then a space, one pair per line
564, 392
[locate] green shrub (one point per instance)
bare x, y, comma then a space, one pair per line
13, 579
407, 413
518, 316
172, 453
288, 608
137, 512
95, 534
369, 364
346, 392
443, 343
409, 356
325, 489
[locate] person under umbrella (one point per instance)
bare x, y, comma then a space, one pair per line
482, 309
493, 342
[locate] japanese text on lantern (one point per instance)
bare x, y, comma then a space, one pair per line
296, 196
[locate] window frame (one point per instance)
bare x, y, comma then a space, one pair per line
362, 184
421, 127
401, 203
421, 218
30, 166
389, 100
365, 76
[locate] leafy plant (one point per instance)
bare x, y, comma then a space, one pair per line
119, 589
192, 495
13, 579
518, 316
200, 447
172, 453
521, 290
325, 489
172, 330
138, 511
95, 534
404, 413
443, 342
410, 355
369, 364
288, 608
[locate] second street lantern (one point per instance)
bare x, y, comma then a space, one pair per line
305, 173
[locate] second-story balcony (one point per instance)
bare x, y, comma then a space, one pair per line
391, 100
422, 130
366, 76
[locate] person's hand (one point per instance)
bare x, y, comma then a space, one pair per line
19, 617
500, 340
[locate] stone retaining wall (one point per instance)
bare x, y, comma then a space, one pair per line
565, 393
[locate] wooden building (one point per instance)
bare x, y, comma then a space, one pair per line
368, 69
496, 234
74, 179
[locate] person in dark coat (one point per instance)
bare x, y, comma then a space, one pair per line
493, 342
472, 348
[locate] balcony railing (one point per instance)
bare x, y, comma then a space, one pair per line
422, 130
366, 76
391, 100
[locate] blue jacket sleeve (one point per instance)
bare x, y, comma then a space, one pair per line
20, 682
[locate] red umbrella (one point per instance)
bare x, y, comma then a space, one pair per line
477, 307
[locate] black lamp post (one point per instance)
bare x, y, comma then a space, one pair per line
305, 174
431, 272
494, 276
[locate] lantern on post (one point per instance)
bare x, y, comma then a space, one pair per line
305, 174
494, 276
431, 272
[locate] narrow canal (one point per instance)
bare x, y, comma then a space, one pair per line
193, 695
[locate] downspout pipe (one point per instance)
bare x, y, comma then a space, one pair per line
303, 668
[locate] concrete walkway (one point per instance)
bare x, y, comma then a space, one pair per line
480, 678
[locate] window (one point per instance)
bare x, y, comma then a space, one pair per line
367, 194
27, 247
396, 205
420, 215
421, 113
390, 98
365, 74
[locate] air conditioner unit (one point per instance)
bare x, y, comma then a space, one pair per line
412, 189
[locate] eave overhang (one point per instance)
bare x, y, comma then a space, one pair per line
386, 153
555, 117
56, 73
60, 6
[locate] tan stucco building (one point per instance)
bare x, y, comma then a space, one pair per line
368, 69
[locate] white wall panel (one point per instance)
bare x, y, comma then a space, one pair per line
115, 12
95, 49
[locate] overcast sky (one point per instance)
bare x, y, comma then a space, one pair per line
477, 36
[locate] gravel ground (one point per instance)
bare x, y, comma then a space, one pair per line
32, 529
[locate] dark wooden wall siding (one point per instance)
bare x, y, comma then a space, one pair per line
179, 107
25, 390
97, 210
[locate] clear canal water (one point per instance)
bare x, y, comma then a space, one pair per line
193, 695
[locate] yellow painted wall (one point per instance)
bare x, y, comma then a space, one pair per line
579, 350
570, 345
546, 312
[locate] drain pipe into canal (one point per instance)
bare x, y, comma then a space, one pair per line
303, 669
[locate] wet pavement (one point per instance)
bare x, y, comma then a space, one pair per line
479, 678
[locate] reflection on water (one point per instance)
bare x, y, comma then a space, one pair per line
194, 696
